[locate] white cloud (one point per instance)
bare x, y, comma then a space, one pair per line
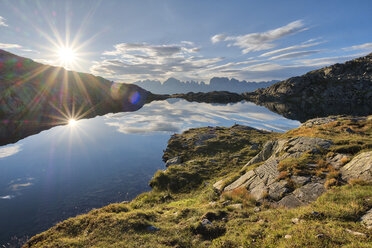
260, 41
294, 55
9, 46
134, 61
325, 61
290, 48
365, 46
9, 150
218, 37
2, 22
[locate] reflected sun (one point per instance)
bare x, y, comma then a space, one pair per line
71, 122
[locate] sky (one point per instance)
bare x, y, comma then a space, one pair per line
127, 41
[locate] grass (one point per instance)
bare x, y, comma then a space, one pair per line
183, 196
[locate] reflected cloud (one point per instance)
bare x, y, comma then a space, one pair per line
20, 183
10, 150
177, 115
7, 197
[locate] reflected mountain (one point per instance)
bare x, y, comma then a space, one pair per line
304, 111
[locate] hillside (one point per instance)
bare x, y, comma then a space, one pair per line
205, 199
337, 89
35, 97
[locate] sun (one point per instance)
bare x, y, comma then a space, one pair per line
67, 56
71, 122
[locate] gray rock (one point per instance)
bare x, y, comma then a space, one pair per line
236, 206
303, 195
301, 180
219, 185
360, 167
203, 137
172, 161
336, 160
263, 181
206, 222
152, 228
356, 233
367, 219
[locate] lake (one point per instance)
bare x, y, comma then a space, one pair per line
69, 170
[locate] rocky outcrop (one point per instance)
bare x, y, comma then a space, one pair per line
264, 182
360, 167
337, 89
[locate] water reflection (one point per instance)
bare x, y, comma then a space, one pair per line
68, 170
9, 150
176, 115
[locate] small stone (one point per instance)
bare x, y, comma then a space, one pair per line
356, 233
288, 236
257, 209
295, 220
349, 130
152, 228
236, 206
319, 236
261, 221
206, 222
172, 161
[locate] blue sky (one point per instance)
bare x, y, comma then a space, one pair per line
191, 40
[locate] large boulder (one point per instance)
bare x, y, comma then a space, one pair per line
360, 167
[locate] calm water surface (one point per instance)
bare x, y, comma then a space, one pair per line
69, 170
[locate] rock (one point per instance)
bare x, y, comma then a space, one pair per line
206, 222
288, 236
367, 219
337, 160
172, 161
356, 233
319, 236
334, 90
152, 228
303, 195
236, 206
349, 130
257, 209
203, 137
262, 182
301, 180
219, 185
295, 220
360, 167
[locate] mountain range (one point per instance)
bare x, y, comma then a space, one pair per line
174, 86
